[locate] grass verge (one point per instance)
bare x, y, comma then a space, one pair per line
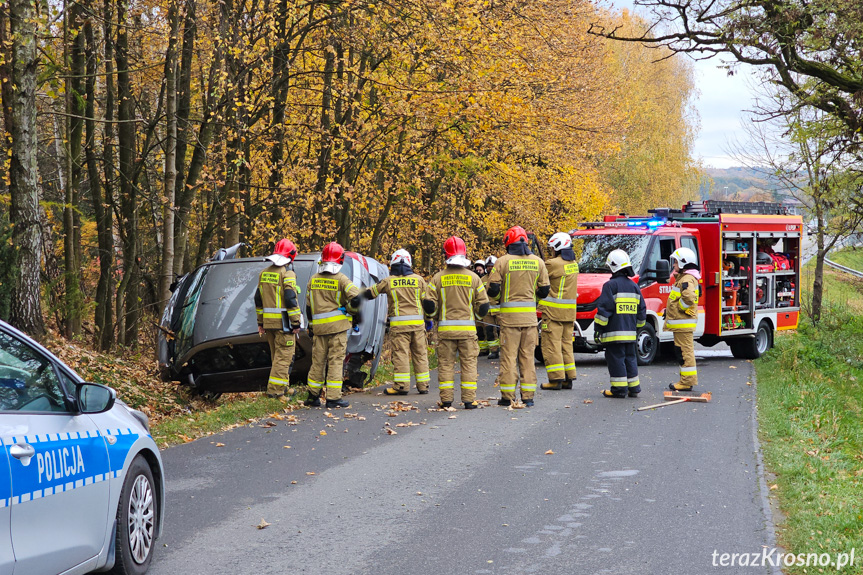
810, 404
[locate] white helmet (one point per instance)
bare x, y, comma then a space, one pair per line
560, 241
401, 257
617, 260
490, 261
684, 257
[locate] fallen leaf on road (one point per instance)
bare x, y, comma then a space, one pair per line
220, 445
566, 406
419, 492
774, 486
586, 401
310, 473
732, 367
549, 452
452, 416
269, 424
278, 416
293, 482
361, 418
262, 525
287, 447
392, 414
330, 425
323, 432
748, 383
391, 431
328, 414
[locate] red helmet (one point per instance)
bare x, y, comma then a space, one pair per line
514, 234
333, 252
454, 246
285, 248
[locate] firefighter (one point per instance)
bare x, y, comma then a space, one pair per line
520, 278
404, 290
278, 314
330, 301
456, 297
492, 331
620, 311
479, 270
558, 313
681, 315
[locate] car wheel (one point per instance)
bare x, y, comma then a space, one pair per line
755, 347
136, 521
646, 344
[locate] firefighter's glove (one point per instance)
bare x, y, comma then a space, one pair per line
429, 325
310, 331
692, 311
597, 337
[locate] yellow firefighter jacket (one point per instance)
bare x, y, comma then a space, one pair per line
404, 295
277, 305
561, 301
681, 310
518, 276
327, 293
457, 294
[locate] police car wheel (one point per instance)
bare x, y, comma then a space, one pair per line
136, 521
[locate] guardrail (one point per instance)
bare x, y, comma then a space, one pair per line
842, 268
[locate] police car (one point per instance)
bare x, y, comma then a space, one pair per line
81, 480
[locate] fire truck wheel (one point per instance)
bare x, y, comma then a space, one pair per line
646, 344
755, 347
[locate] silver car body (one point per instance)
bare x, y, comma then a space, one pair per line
61, 477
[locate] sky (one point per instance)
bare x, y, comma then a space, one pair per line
721, 103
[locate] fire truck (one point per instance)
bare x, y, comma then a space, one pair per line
749, 258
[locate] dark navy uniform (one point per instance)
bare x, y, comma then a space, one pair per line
620, 311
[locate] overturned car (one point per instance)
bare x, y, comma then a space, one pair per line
208, 337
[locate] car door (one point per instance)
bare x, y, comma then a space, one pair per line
58, 462
7, 558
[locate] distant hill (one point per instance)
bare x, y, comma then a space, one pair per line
743, 184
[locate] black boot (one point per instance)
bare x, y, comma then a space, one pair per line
471, 404
494, 355
504, 402
527, 402
483, 352
313, 401
567, 383
337, 403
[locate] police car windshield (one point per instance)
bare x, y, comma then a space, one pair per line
592, 250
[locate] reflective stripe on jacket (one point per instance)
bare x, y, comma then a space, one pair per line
681, 309
518, 276
560, 305
326, 294
457, 294
620, 311
271, 285
404, 295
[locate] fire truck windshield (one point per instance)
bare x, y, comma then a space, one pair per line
592, 250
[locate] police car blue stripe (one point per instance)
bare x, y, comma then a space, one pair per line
55, 460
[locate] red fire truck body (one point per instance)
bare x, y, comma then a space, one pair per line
749, 260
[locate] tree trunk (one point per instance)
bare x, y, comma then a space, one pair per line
101, 212
184, 100
818, 284
26, 308
167, 269
104, 306
74, 45
128, 191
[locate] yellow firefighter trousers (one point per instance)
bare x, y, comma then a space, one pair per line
282, 352
407, 346
517, 345
686, 358
328, 361
556, 344
467, 351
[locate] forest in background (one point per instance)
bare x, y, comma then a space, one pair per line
167, 129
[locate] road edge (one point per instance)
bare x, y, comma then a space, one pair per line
770, 511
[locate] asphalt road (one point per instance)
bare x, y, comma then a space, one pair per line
474, 492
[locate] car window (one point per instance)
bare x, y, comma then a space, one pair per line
185, 333
690, 242
660, 249
28, 380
